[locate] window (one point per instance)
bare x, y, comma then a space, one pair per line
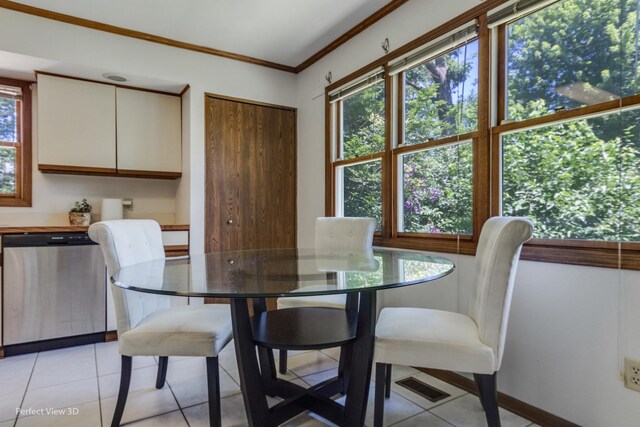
15, 143
570, 54
415, 174
362, 190
363, 122
576, 180
570, 145
441, 96
531, 110
437, 190
359, 144
440, 101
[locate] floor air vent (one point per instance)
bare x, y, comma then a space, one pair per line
423, 389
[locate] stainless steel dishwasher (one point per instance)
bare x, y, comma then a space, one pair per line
53, 291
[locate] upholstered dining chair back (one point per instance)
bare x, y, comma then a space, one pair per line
126, 242
344, 233
495, 268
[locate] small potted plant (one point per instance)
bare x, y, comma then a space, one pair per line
80, 214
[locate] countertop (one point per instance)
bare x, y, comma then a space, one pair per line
66, 228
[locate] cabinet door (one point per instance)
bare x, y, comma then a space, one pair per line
149, 131
76, 124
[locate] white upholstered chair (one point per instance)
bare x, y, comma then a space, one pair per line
147, 324
472, 342
332, 233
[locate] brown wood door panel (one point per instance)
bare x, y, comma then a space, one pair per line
250, 167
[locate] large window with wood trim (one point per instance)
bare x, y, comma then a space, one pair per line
532, 110
568, 132
403, 141
15, 143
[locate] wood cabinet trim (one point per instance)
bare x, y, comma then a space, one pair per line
76, 170
127, 173
121, 173
72, 228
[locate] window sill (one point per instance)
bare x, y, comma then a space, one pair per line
7, 202
584, 253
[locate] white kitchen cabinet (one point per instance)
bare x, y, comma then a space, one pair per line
76, 124
149, 131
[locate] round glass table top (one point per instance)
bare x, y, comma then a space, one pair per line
282, 272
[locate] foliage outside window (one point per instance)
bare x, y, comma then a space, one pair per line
570, 54
361, 118
576, 180
363, 122
437, 190
15, 140
362, 190
441, 96
8, 138
440, 100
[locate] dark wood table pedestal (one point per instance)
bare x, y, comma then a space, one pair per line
308, 328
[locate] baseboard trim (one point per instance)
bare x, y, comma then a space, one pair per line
110, 336
1, 353
518, 407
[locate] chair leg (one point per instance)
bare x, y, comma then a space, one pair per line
387, 382
163, 363
488, 392
378, 406
213, 386
125, 380
282, 364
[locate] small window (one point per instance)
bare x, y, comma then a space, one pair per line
360, 190
363, 122
441, 96
437, 190
571, 54
576, 180
15, 143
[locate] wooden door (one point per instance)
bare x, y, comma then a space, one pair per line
250, 200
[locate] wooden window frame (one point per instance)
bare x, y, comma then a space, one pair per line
23, 147
389, 235
486, 156
334, 141
594, 253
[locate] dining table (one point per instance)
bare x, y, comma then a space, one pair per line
247, 278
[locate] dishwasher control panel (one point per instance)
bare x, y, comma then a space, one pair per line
45, 239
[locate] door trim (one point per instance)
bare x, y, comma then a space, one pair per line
252, 102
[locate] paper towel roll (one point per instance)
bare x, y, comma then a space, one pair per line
111, 209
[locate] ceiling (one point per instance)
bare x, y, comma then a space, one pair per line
21, 67
282, 31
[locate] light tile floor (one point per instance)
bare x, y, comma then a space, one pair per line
78, 387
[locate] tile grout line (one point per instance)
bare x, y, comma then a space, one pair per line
24, 395
407, 418
178, 403
440, 418
95, 357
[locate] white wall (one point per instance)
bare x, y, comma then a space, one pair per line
570, 327
41, 38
